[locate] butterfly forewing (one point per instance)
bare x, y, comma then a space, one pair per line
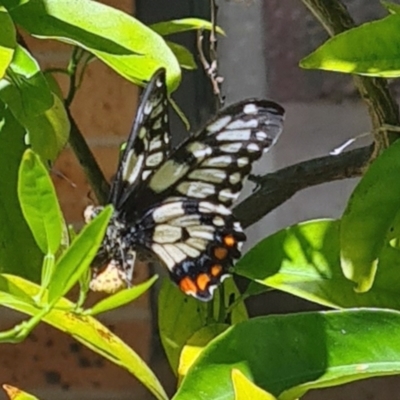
148, 145
213, 164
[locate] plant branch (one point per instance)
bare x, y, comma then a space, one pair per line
382, 108
277, 187
89, 164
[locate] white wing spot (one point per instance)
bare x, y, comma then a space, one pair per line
177, 254
168, 211
145, 174
260, 135
220, 161
165, 233
242, 162
237, 135
253, 147
235, 178
227, 195
159, 250
197, 243
250, 109
218, 221
208, 175
188, 250
231, 147
218, 124
142, 132
196, 189
241, 124
148, 107
155, 144
154, 159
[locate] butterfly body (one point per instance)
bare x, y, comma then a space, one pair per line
173, 205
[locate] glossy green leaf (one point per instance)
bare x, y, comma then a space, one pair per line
92, 334
175, 331
79, 255
368, 216
196, 344
183, 25
369, 49
245, 389
121, 298
304, 260
17, 394
41, 112
49, 132
19, 253
8, 41
39, 203
122, 42
183, 55
25, 90
297, 352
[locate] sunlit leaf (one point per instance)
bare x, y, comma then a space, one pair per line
39, 203
368, 218
122, 42
369, 49
287, 355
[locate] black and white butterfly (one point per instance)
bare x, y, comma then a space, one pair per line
173, 205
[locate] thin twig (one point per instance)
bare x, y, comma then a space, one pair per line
211, 67
89, 164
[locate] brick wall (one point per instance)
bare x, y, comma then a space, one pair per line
49, 363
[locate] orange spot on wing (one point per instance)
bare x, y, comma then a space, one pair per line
202, 281
229, 240
187, 285
220, 253
216, 270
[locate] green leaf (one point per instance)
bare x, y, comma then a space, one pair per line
79, 255
368, 218
49, 132
7, 41
183, 25
288, 355
245, 389
123, 43
19, 253
369, 49
175, 331
304, 260
121, 298
195, 345
30, 99
183, 55
25, 90
17, 394
92, 334
39, 203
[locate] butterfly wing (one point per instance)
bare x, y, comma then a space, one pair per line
196, 240
212, 164
148, 145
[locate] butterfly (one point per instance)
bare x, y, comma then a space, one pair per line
173, 205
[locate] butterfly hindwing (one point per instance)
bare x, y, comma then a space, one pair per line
148, 145
196, 240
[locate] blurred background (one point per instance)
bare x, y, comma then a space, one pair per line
265, 39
